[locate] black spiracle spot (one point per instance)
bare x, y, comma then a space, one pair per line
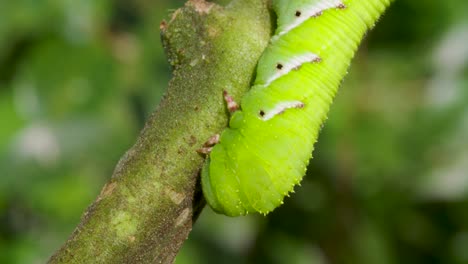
298, 13
279, 66
262, 113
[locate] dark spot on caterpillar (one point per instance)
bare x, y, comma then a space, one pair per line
279, 66
317, 14
262, 113
297, 68
341, 6
298, 13
318, 59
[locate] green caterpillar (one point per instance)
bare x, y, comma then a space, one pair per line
265, 151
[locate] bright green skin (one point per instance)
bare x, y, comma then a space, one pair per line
257, 162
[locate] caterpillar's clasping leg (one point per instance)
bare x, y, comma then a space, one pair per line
232, 106
208, 146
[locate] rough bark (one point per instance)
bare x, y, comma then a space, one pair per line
147, 209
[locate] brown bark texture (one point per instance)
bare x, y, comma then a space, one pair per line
146, 210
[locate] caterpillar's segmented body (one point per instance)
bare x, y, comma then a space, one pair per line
264, 152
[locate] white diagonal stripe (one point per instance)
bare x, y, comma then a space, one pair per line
280, 108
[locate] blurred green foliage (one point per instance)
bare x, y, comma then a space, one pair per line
389, 178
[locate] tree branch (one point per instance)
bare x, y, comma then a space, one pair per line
146, 211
